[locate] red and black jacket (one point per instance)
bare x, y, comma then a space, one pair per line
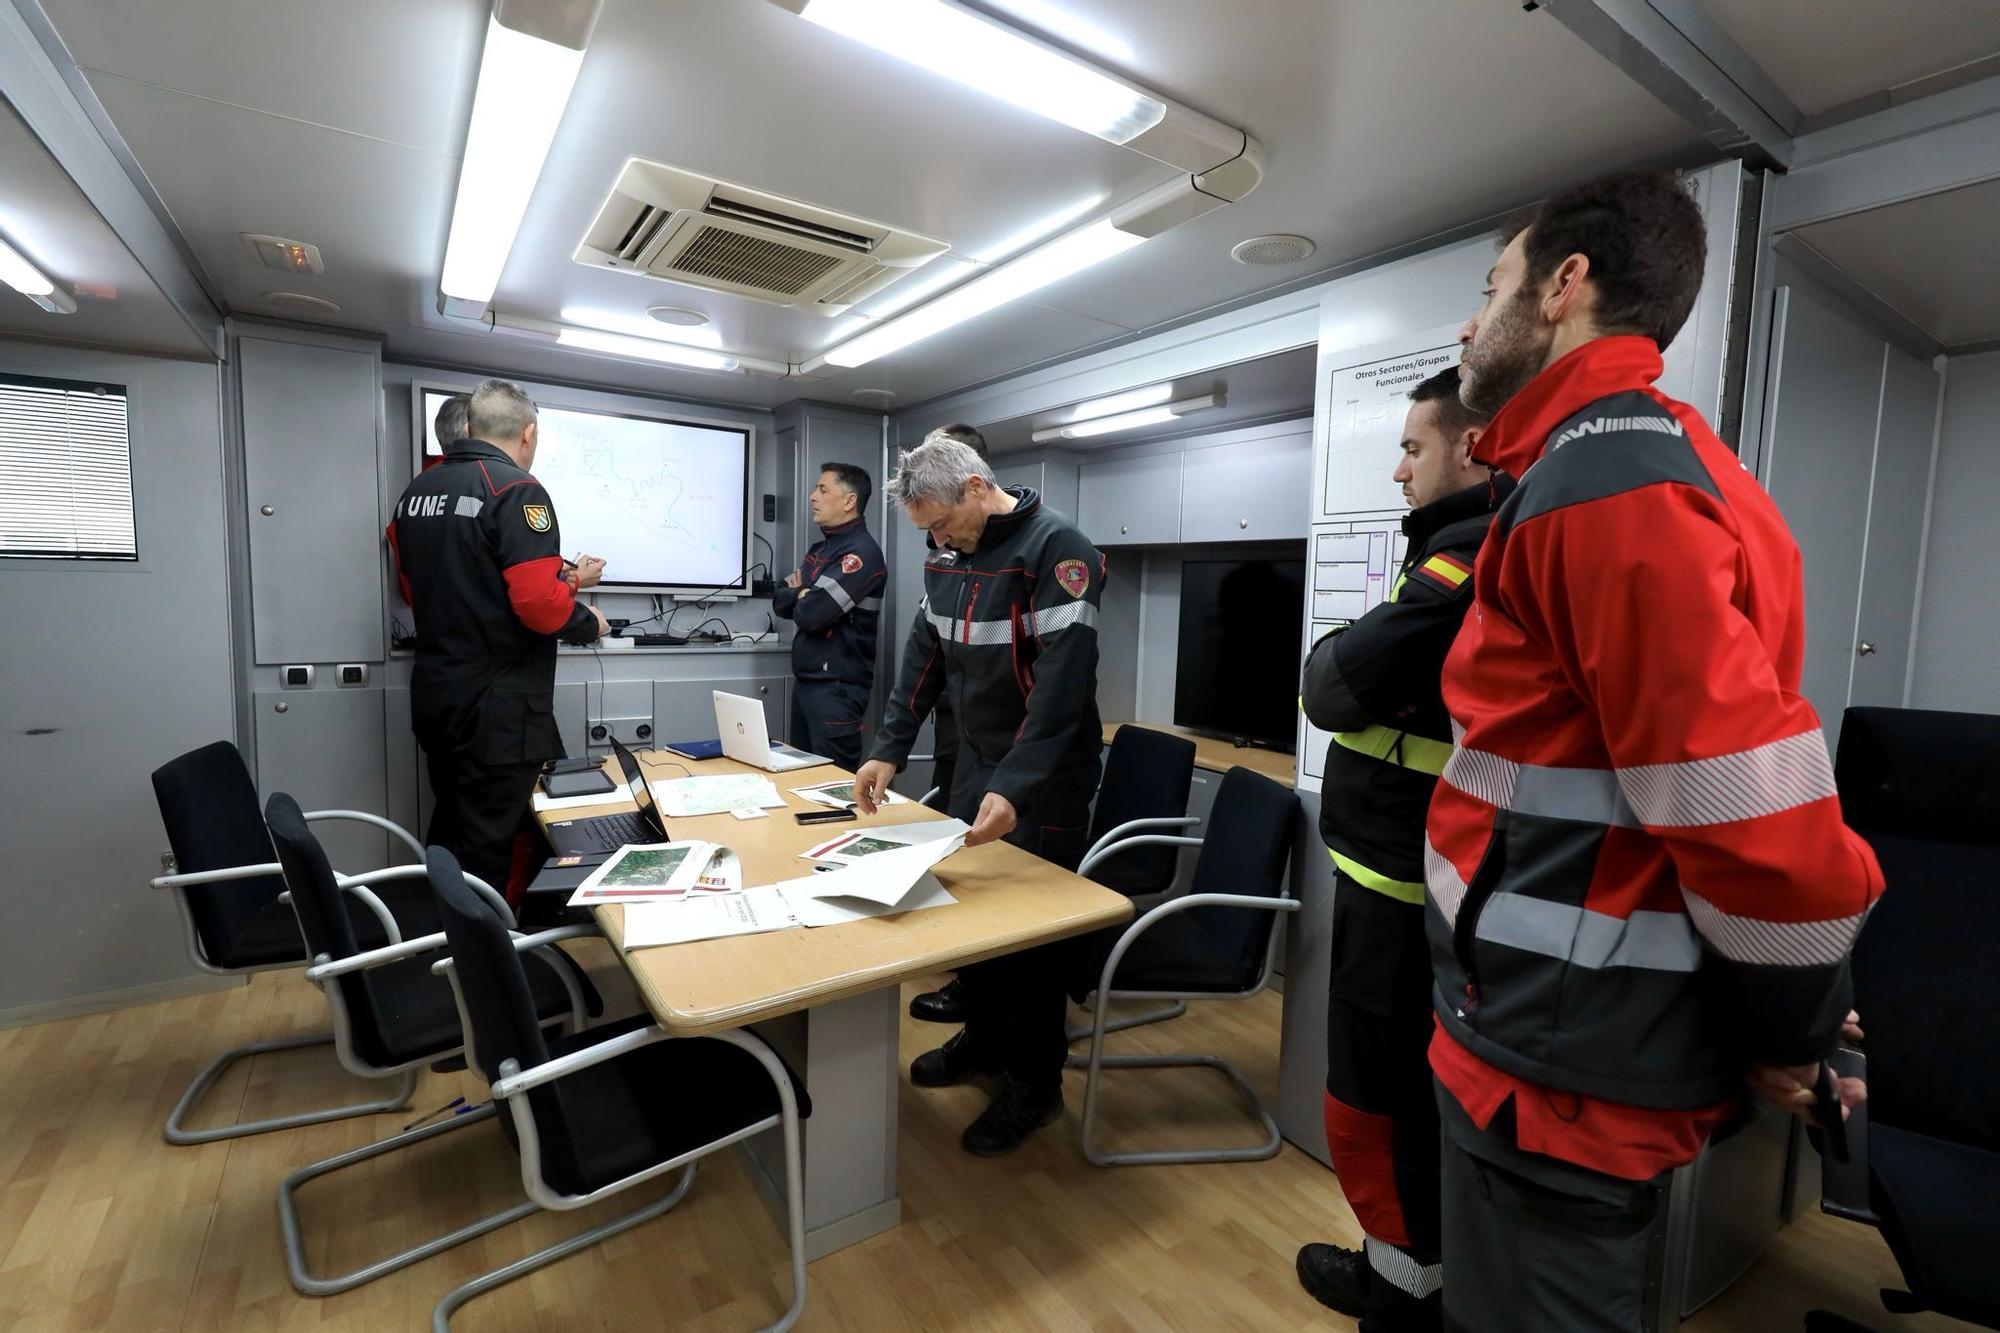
1639, 879
837, 606
1009, 635
480, 558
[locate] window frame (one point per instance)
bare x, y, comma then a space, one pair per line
59, 560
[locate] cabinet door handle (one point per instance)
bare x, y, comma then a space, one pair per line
1865, 648
1123, 529
1242, 522
763, 689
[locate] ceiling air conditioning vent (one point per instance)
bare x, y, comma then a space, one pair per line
685, 227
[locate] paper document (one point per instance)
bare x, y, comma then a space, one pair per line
840, 795
685, 798
859, 844
704, 916
723, 874
885, 875
644, 873
840, 909
544, 801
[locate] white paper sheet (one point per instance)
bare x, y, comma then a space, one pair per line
840, 795
544, 801
838, 910
857, 845
686, 798
706, 916
632, 874
885, 877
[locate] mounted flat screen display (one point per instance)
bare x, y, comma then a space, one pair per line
1238, 672
666, 503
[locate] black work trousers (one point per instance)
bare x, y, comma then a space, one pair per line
1016, 1005
481, 811
1534, 1243
827, 717
1381, 1113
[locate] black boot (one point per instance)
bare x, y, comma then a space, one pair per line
1018, 1109
946, 1004
1336, 1278
955, 1062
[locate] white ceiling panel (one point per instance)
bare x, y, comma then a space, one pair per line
53, 225
396, 70
1930, 258
1828, 52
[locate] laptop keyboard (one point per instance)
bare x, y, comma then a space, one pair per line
610, 832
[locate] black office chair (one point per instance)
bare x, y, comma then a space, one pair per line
391, 1017
228, 890
1145, 789
1217, 942
1924, 789
598, 1112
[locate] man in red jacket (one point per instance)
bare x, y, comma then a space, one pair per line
1640, 888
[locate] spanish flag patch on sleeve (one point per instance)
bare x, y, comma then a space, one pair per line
1445, 571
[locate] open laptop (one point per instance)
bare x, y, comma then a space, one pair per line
607, 833
739, 721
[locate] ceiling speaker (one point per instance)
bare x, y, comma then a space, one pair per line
1271, 250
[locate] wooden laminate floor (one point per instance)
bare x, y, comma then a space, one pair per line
103, 1226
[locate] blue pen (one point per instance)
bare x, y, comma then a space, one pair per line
454, 1102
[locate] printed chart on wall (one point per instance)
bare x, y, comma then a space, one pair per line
1366, 403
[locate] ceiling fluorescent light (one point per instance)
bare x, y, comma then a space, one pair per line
994, 59
1145, 416
524, 85
646, 349
1122, 402
17, 272
1011, 281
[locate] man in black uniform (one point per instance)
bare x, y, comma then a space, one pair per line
1009, 635
947, 1003
835, 599
1374, 685
479, 554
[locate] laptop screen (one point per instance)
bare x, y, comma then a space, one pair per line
635, 778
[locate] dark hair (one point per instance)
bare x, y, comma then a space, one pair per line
1454, 417
452, 422
855, 480
1643, 235
968, 436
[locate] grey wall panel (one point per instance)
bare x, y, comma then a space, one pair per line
310, 446
624, 707
1248, 490
1903, 443
405, 788
325, 747
572, 710
684, 710
1133, 501
1958, 632
111, 669
1819, 441
1118, 637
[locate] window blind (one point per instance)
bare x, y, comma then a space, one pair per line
65, 470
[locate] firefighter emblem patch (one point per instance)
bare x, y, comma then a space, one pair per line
538, 516
850, 563
1074, 577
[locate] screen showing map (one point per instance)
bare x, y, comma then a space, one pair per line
664, 503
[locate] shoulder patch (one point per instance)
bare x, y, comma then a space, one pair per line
850, 563
538, 517
1074, 576
1445, 571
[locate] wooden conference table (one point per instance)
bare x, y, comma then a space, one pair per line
829, 998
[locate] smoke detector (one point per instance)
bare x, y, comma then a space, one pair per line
680, 316
1271, 250
283, 254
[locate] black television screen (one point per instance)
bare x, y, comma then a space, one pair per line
1241, 622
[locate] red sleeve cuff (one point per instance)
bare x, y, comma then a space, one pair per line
541, 599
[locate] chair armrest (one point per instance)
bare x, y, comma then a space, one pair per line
363, 817
514, 1080
1182, 904
1131, 826
326, 969
219, 876
388, 873
1844, 1186
544, 942
541, 939
1098, 857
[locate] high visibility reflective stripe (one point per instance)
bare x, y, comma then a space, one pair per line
1659, 941
1399, 1270
1441, 878
831, 587
1379, 742
869, 604
1041, 624
1745, 939
468, 506
1402, 890
1589, 795
1054, 619
1745, 785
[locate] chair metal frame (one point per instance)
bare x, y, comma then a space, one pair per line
513, 1085
323, 973
1097, 1061
1115, 841
176, 1132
